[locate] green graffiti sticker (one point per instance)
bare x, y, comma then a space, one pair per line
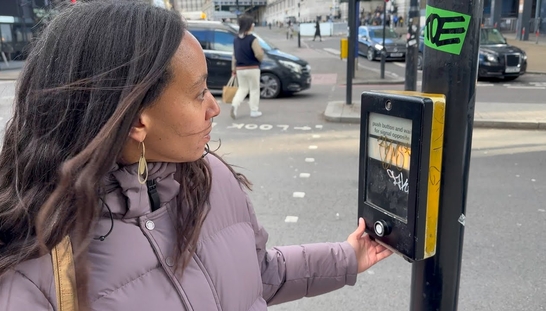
445, 30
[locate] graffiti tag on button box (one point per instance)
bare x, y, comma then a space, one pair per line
445, 30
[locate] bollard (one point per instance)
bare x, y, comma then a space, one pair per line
523, 34
299, 40
537, 35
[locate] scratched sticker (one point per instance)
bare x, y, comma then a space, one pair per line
445, 30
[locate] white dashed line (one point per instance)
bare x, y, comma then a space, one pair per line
318, 126
316, 136
305, 175
313, 147
309, 160
291, 219
298, 194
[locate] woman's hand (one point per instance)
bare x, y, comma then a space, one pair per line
368, 252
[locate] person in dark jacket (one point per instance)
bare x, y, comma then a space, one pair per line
317, 30
110, 198
247, 56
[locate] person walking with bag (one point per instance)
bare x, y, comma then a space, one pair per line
110, 198
247, 56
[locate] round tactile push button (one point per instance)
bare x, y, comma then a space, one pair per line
381, 228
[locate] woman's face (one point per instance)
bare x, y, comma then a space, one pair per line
176, 127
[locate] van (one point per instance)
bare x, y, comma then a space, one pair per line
281, 73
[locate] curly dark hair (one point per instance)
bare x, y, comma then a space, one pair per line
88, 76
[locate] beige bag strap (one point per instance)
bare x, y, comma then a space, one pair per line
233, 81
63, 268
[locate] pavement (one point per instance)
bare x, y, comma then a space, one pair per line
328, 68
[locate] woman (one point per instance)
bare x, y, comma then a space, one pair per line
108, 146
247, 56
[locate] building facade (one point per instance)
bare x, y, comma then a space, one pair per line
230, 9
189, 5
308, 10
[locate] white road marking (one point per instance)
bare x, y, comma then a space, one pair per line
316, 136
291, 219
305, 175
318, 126
309, 160
313, 147
298, 195
332, 51
525, 87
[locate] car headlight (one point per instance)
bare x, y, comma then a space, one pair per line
308, 67
291, 65
524, 56
491, 58
378, 47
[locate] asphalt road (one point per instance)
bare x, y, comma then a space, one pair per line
306, 168
529, 88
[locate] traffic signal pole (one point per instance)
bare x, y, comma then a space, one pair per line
351, 52
450, 68
384, 50
412, 44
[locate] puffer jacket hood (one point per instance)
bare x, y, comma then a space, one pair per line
231, 270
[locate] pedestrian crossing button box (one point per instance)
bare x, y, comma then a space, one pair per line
400, 163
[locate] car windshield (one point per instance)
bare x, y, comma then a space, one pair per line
267, 46
378, 33
491, 36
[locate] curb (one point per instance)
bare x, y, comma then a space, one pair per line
510, 124
335, 111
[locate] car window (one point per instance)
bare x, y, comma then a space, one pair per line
362, 32
203, 36
491, 36
389, 33
223, 41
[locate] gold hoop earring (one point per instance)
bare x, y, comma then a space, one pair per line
142, 165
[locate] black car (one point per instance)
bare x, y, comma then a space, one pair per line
370, 40
281, 73
497, 59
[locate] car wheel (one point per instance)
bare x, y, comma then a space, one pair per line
270, 86
371, 54
420, 61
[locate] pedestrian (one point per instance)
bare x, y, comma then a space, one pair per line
111, 199
247, 56
317, 30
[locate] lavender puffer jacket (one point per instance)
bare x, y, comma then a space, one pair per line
132, 269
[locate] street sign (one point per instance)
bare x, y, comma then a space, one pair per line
400, 167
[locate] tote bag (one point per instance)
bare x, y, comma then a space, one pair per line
228, 92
